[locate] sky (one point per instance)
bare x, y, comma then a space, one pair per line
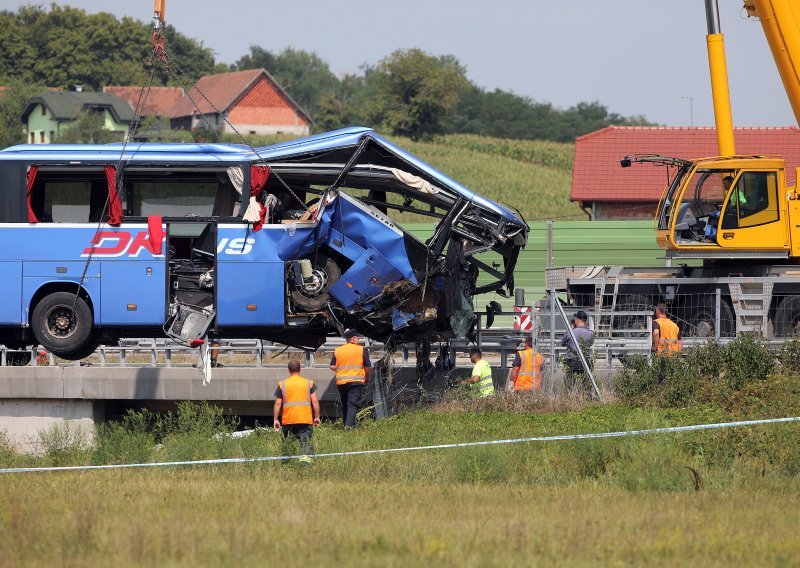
637, 57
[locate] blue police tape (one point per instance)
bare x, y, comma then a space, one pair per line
619, 434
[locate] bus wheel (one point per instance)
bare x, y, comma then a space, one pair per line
313, 295
787, 317
58, 327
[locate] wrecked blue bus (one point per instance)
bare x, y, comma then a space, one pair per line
290, 243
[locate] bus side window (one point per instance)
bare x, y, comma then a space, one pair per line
69, 197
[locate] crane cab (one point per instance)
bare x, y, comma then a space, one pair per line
715, 207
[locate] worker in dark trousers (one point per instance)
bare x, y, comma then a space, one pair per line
296, 410
576, 376
351, 364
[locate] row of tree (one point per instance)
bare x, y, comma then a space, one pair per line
408, 93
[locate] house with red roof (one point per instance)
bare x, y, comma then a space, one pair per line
251, 100
608, 191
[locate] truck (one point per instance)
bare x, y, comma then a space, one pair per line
291, 243
729, 224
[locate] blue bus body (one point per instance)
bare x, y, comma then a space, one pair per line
327, 257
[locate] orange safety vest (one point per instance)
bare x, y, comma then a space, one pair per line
668, 336
529, 375
350, 364
296, 393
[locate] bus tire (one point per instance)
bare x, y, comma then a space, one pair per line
787, 317
315, 296
60, 329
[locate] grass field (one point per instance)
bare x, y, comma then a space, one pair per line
717, 497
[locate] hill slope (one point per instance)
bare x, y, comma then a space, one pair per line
533, 176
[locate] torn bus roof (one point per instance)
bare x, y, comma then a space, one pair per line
335, 145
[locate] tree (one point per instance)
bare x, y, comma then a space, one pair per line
12, 103
88, 129
342, 105
63, 46
504, 114
411, 92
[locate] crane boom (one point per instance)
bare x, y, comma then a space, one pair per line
159, 10
780, 20
720, 92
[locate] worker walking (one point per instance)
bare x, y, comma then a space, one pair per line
351, 364
666, 334
526, 371
576, 374
480, 382
296, 410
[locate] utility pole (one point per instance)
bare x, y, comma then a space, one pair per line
691, 110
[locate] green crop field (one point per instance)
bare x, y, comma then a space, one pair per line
535, 177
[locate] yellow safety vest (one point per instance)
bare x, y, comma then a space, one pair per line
530, 370
484, 386
350, 364
668, 337
296, 409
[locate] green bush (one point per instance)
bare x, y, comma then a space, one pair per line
130, 440
710, 373
789, 356
745, 359
65, 444
705, 360
636, 378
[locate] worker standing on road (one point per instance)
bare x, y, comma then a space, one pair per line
576, 374
480, 382
526, 371
666, 334
296, 410
351, 364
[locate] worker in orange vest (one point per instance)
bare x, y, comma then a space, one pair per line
526, 371
296, 410
351, 364
666, 334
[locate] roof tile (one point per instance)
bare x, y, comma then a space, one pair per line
597, 175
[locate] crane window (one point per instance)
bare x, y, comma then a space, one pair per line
753, 201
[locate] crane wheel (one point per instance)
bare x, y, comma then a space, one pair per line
700, 320
787, 317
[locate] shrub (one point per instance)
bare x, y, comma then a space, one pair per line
130, 440
65, 443
705, 360
789, 356
636, 378
746, 358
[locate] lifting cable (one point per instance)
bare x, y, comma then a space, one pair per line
144, 94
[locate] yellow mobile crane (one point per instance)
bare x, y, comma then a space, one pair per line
736, 213
733, 205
